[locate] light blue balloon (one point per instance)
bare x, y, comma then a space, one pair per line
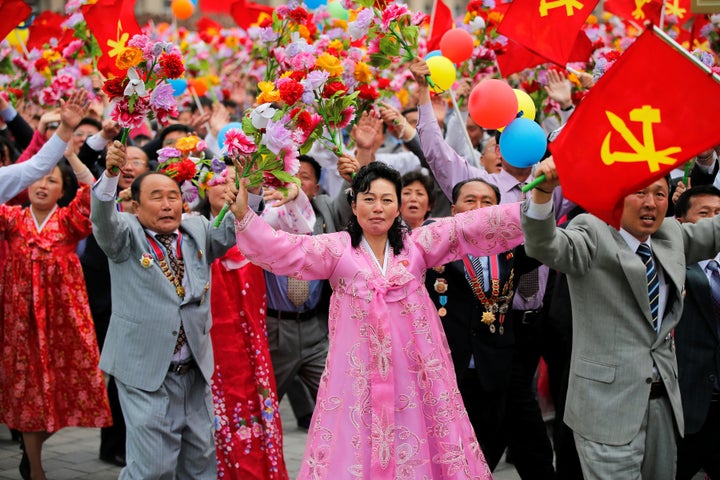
194, 2
434, 53
313, 4
523, 143
179, 85
223, 131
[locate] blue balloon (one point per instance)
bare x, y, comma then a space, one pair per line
223, 131
434, 53
313, 4
194, 2
523, 143
179, 85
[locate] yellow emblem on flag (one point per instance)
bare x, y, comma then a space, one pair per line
546, 5
118, 46
674, 8
642, 151
638, 13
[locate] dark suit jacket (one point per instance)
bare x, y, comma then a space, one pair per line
465, 332
698, 349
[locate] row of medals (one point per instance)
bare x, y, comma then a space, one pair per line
488, 316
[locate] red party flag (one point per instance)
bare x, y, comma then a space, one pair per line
516, 58
246, 14
45, 27
638, 11
441, 21
547, 27
214, 6
14, 12
112, 22
645, 116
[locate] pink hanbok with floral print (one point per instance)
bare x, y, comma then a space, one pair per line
388, 406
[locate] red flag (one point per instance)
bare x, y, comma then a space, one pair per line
440, 22
44, 28
214, 6
638, 11
547, 27
644, 117
14, 12
247, 13
112, 22
517, 58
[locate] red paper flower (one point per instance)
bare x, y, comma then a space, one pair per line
172, 65
290, 91
41, 64
181, 171
115, 87
368, 92
298, 15
334, 87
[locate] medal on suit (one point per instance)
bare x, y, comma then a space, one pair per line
488, 318
495, 303
442, 311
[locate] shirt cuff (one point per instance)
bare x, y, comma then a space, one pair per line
539, 211
97, 142
8, 114
105, 188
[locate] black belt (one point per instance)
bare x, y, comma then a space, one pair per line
657, 390
297, 316
181, 368
525, 316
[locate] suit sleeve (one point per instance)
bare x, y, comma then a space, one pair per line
111, 231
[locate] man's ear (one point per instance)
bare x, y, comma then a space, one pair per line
135, 205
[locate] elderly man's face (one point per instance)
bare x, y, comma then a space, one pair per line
644, 211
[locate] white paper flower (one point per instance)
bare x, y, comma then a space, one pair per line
262, 115
135, 85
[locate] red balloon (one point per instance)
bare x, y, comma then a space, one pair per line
457, 45
492, 104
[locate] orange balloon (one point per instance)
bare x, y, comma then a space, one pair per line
199, 85
182, 9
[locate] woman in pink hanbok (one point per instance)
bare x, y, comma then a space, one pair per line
388, 405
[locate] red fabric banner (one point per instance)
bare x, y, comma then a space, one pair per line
112, 35
442, 21
645, 116
14, 12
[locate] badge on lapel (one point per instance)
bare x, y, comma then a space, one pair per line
146, 260
204, 295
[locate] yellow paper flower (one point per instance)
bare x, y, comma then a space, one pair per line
337, 45
304, 33
362, 72
129, 57
52, 56
330, 64
187, 144
495, 17
268, 94
403, 96
231, 41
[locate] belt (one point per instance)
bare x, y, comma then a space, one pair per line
657, 390
526, 316
297, 316
181, 368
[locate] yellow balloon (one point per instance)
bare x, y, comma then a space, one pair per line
442, 72
18, 37
525, 105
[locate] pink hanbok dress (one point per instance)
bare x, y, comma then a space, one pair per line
388, 406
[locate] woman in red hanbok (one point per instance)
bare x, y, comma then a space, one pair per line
49, 375
248, 431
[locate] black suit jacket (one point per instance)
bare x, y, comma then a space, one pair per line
698, 349
465, 332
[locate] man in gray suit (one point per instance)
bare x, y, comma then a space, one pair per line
623, 400
158, 344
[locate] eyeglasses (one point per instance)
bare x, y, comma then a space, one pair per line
137, 163
82, 134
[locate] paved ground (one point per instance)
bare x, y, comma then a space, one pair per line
72, 453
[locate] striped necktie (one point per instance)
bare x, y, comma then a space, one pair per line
653, 284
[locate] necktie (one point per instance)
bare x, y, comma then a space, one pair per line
653, 284
298, 291
523, 195
178, 268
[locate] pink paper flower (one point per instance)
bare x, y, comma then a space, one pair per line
236, 143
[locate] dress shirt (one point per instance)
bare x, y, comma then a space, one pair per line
8, 114
17, 177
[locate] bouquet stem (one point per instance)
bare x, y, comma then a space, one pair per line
226, 207
123, 140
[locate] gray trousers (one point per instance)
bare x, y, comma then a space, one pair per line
297, 348
170, 430
651, 455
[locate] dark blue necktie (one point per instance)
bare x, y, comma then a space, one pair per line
653, 284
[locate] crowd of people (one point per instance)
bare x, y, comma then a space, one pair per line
402, 294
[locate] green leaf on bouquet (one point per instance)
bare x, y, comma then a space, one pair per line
284, 176
247, 125
389, 46
410, 35
380, 60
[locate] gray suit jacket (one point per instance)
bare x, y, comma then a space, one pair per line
614, 345
146, 311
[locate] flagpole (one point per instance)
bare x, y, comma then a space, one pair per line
22, 43
432, 18
662, 15
684, 52
464, 126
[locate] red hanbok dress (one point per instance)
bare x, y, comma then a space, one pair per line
49, 375
248, 431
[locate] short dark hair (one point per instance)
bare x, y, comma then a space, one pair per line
361, 184
175, 127
90, 121
425, 181
314, 164
683, 203
458, 186
137, 183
